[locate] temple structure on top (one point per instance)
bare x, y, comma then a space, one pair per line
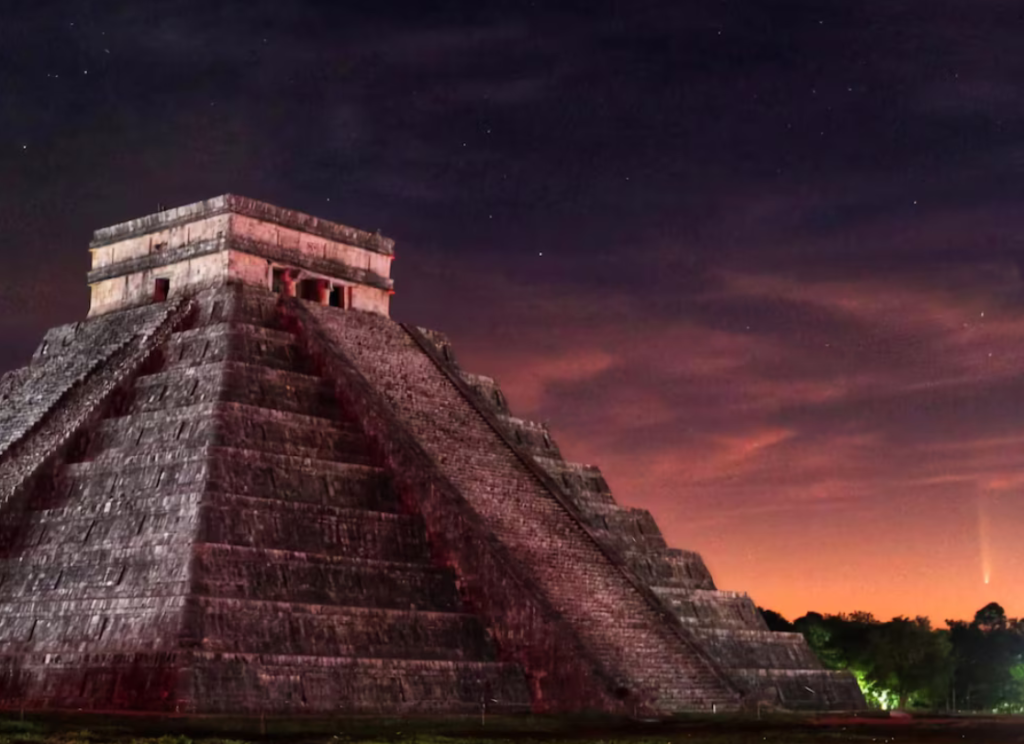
238, 240
240, 487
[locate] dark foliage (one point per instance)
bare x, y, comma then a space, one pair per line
976, 666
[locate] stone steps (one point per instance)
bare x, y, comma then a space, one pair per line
255, 684
671, 569
353, 533
64, 626
312, 511
227, 470
286, 628
713, 609
219, 423
235, 572
235, 382
144, 605
143, 530
99, 486
249, 328
235, 520
239, 342
98, 574
807, 689
343, 449
289, 684
762, 649
286, 478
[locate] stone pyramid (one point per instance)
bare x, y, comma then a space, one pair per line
240, 487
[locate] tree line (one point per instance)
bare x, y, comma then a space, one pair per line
906, 663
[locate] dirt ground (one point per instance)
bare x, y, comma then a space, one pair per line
85, 729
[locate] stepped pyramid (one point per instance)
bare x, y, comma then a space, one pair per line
240, 487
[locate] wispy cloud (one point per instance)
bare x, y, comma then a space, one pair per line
864, 397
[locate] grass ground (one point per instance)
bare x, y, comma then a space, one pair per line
39, 729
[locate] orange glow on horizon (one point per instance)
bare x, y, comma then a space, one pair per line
833, 476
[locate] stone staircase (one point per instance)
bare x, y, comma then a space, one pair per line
766, 666
622, 631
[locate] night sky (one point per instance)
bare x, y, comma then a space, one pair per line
758, 260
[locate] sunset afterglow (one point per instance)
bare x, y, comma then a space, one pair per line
760, 262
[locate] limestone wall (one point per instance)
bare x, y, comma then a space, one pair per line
311, 246
160, 241
137, 289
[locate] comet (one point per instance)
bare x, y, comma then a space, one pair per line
984, 546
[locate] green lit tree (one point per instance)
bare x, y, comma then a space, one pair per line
910, 659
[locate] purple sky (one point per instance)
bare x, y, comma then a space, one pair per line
758, 260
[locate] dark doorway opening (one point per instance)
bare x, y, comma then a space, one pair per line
161, 289
277, 284
337, 297
309, 289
